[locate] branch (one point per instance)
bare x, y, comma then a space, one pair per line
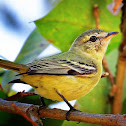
19, 95
103, 119
104, 61
96, 15
29, 109
23, 114
106, 67
120, 74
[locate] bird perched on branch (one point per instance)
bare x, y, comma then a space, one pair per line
68, 75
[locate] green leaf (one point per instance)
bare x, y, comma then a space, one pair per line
52, 122
8, 76
124, 106
112, 58
112, 61
124, 90
4, 117
124, 97
34, 45
2, 95
70, 18
9, 119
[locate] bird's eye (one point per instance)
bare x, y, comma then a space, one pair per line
93, 38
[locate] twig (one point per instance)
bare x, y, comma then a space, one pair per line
23, 114
104, 61
117, 101
103, 119
121, 67
96, 15
106, 67
104, 74
20, 95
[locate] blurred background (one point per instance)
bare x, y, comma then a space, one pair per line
16, 24
32, 29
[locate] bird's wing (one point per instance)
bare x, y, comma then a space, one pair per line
60, 67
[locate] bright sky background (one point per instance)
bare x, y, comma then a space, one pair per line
11, 40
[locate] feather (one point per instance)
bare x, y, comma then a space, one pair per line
61, 67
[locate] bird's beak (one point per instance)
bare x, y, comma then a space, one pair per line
110, 35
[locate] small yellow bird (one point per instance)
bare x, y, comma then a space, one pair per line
72, 74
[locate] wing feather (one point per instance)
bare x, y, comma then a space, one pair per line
61, 67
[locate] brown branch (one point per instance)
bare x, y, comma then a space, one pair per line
103, 119
121, 66
23, 114
96, 15
29, 109
104, 61
106, 68
20, 95
117, 101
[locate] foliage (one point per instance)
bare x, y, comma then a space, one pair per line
70, 18
31, 49
60, 27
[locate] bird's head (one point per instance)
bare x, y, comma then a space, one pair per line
93, 42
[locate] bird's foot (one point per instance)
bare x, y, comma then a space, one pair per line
71, 110
70, 106
43, 103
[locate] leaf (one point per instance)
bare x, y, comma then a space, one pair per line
52, 122
8, 76
112, 61
4, 116
124, 106
34, 45
70, 18
9, 119
124, 97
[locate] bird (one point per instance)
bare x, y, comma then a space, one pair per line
69, 75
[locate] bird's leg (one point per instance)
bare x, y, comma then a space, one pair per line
43, 103
42, 106
71, 107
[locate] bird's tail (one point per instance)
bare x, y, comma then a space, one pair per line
20, 68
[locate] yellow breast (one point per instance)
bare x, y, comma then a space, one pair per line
71, 87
